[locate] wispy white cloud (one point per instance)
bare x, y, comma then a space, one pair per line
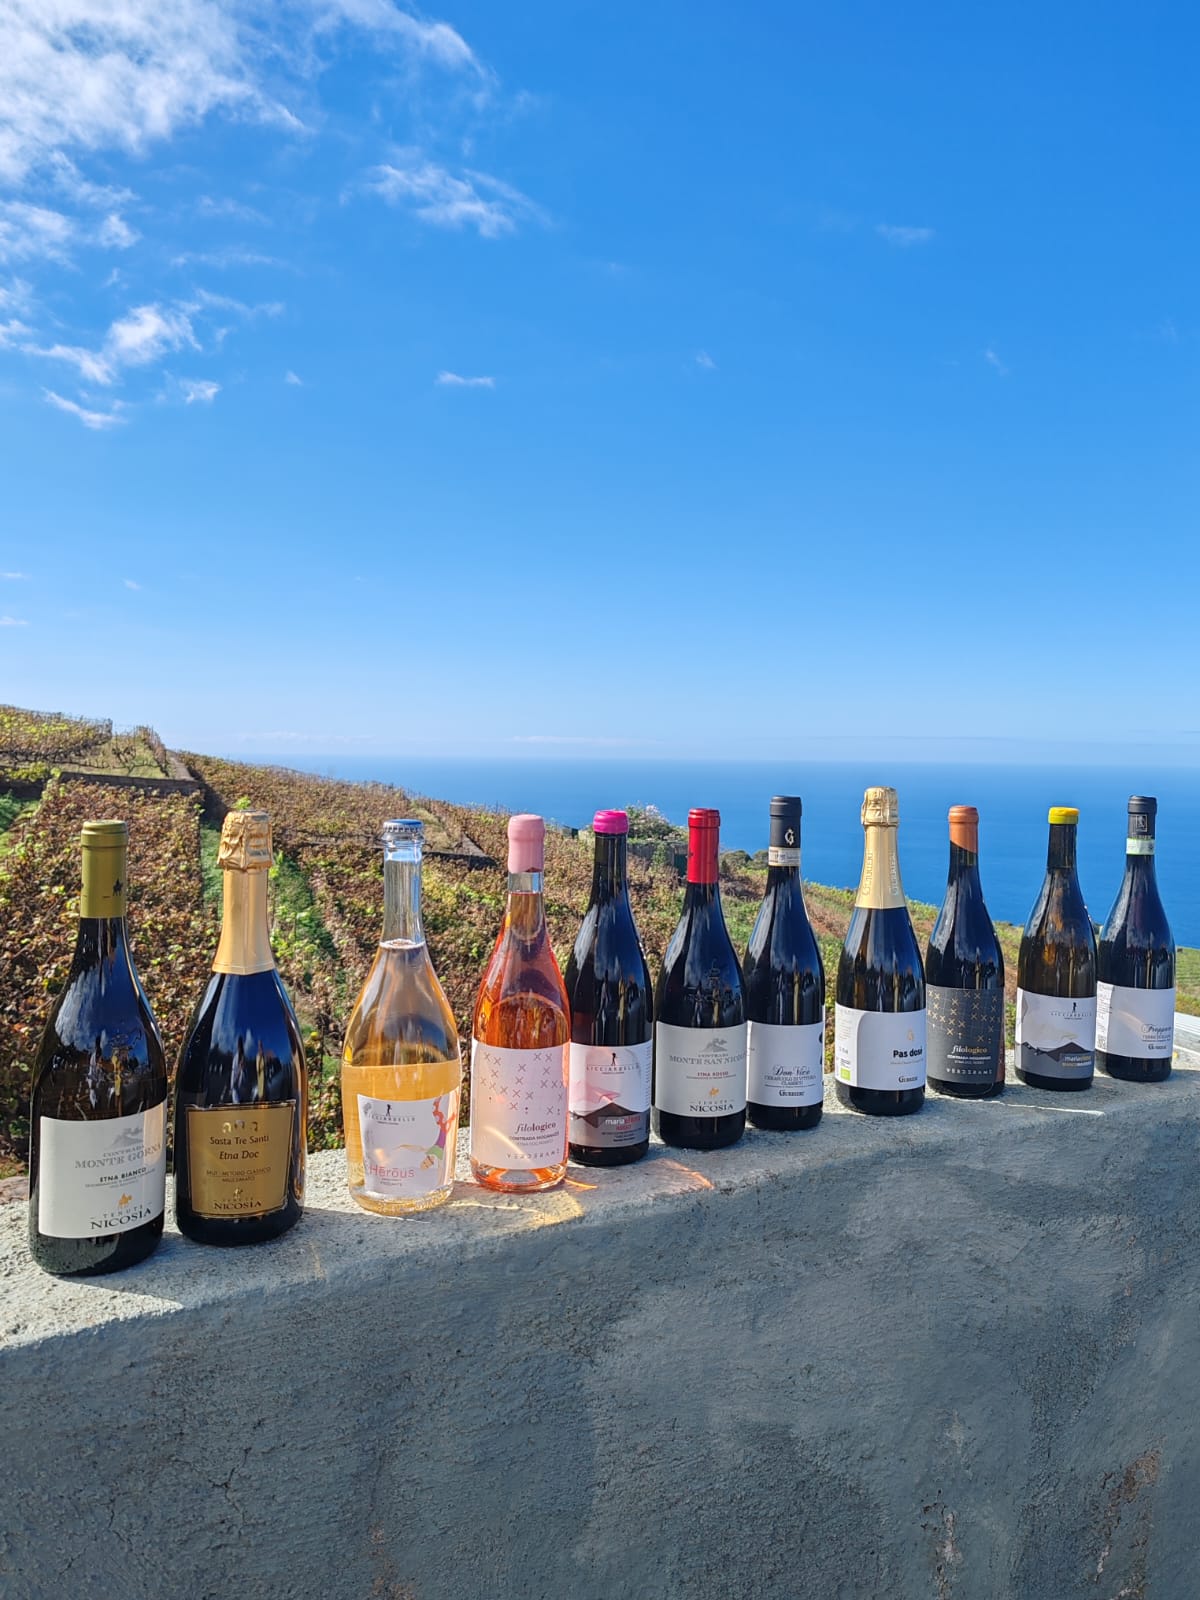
28, 232
225, 206
445, 199
904, 237
994, 361
13, 622
14, 577
202, 390
137, 339
703, 359
228, 256
13, 332
115, 233
455, 380
290, 377
130, 583
98, 421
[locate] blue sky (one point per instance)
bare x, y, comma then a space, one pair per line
670, 380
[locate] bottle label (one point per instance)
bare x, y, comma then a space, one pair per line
966, 1035
879, 1049
101, 1177
699, 1072
1056, 1035
780, 855
785, 1064
610, 1094
518, 1106
239, 1158
1139, 847
1135, 1022
407, 1145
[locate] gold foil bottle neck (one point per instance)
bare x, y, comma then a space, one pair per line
881, 808
245, 842
105, 858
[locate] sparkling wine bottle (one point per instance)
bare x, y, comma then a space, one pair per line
1135, 991
964, 977
879, 1018
401, 1065
785, 991
241, 1093
1056, 973
97, 1122
700, 1011
520, 1037
608, 987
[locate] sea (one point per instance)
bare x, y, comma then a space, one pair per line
1012, 801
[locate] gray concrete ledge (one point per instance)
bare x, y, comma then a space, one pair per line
956, 1355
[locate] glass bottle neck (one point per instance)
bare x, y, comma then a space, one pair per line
610, 869
402, 896
964, 866
698, 895
101, 939
526, 910
245, 943
1060, 854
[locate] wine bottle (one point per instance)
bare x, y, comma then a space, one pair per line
241, 1092
520, 1037
964, 977
700, 1012
98, 1104
785, 991
1135, 991
401, 1063
611, 1001
1056, 973
879, 1015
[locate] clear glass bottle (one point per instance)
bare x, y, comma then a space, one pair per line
402, 1064
520, 1037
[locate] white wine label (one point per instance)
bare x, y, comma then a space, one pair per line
699, 1072
1135, 1022
966, 1035
1139, 847
879, 1049
407, 1145
1056, 1036
610, 1094
518, 1106
101, 1177
779, 855
785, 1066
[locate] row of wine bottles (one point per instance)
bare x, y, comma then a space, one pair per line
576, 1065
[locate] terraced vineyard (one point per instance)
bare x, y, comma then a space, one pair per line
326, 895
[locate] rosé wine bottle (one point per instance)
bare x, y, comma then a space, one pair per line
520, 1037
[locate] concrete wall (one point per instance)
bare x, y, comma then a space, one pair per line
956, 1356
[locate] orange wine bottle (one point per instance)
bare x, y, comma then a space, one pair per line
520, 1038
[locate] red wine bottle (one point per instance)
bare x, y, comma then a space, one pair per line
785, 991
1135, 994
608, 986
964, 978
700, 1012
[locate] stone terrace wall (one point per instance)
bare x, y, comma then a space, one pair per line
955, 1356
